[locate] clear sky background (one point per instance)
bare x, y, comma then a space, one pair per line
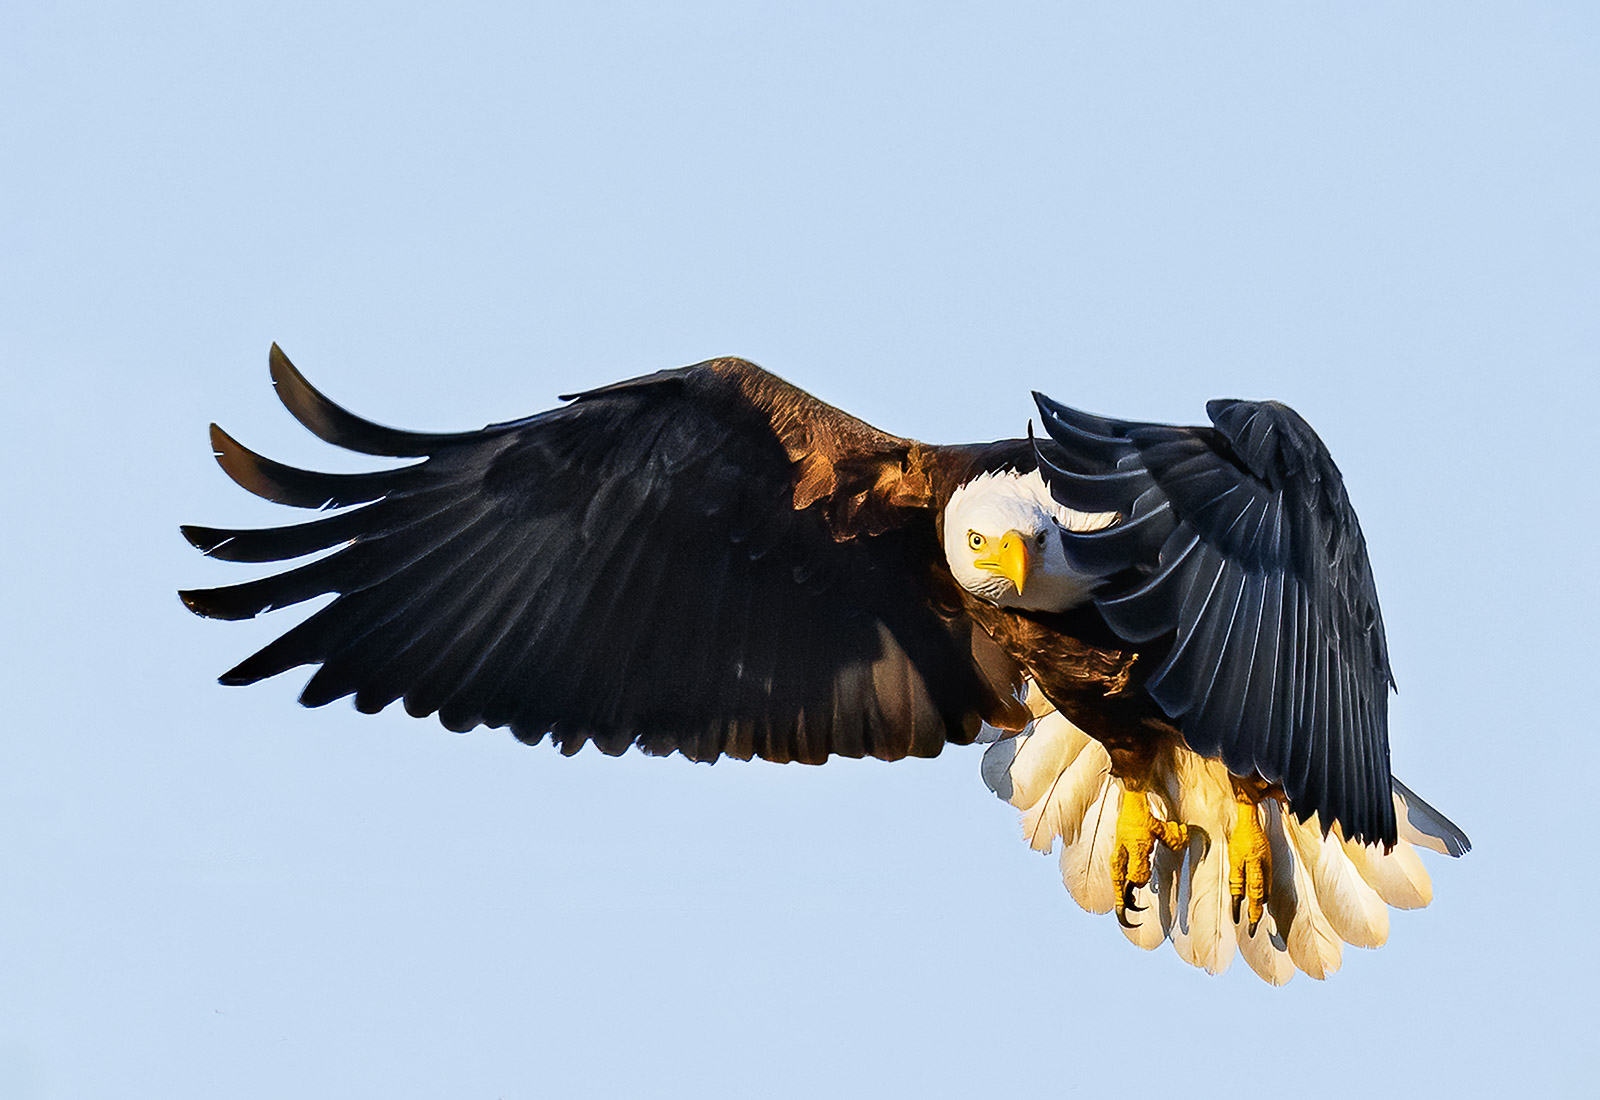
1385, 215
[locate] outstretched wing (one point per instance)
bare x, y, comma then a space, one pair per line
1240, 546
630, 568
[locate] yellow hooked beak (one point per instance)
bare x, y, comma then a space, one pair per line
1010, 560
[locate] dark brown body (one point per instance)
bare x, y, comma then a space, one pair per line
866, 481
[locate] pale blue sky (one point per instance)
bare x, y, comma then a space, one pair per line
1385, 215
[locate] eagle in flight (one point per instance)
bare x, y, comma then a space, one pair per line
1170, 635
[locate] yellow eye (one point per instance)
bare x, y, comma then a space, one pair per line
975, 540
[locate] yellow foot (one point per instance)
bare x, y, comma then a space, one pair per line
1137, 832
1249, 859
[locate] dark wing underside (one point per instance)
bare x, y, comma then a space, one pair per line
627, 569
1239, 546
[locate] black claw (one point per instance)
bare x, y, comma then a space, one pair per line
1254, 925
1238, 903
1123, 920
1127, 898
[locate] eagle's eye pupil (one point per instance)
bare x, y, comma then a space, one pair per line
975, 540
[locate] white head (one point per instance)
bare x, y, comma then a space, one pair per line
1002, 540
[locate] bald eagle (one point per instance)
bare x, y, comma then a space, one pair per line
1170, 635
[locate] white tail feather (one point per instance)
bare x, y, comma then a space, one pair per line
1313, 944
1325, 890
1267, 951
1086, 859
1062, 772
1202, 932
1353, 908
1398, 876
1042, 754
1424, 826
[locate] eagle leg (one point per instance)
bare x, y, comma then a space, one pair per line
1249, 857
1138, 830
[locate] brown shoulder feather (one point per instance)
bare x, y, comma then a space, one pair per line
864, 479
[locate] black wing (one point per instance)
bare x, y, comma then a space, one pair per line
1240, 546
626, 569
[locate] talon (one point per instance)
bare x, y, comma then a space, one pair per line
1138, 830
1249, 861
